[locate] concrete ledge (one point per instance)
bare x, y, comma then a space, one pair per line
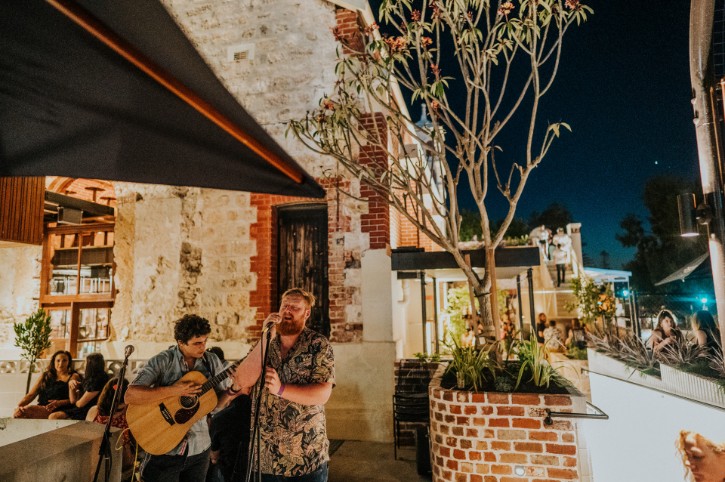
68, 453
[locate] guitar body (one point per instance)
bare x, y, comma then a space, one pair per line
159, 427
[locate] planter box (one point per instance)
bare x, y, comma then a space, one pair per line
502, 436
692, 386
573, 370
604, 365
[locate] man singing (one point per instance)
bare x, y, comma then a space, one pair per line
188, 461
297, 384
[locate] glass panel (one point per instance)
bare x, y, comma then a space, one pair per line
96, 263
60, 323
63, 264
92, 329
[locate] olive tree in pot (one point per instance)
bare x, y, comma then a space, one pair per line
33, 337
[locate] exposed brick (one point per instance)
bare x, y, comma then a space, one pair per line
498, 398
539, 435
528, 447
526, 423
489, 457
544, 460
459, 454
513, 458
515, 411
561, 449
567, 437
525, 399
511, 434
499, 422
562, 474
496, 445
557, 400
501, 469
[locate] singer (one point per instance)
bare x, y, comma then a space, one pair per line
297, 384
156, 381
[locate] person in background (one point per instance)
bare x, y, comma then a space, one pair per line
577, 335
559, 256
553, 337
100, 412
84, 394
706, 331
541, 325
229, 431
51, 389
468, 338
665, 333
704, 460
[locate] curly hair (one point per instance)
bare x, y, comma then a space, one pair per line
190, 326
682, 445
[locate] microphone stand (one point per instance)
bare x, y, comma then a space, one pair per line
104, 452
256, 438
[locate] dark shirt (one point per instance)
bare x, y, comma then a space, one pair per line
94, 384
540, 327
228, 429
52, 390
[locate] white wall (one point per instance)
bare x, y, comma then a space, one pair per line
637, 443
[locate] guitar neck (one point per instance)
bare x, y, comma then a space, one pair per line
219, 377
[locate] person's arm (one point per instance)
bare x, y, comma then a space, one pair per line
85, 399
141, 394
701, 337
55, 404
30, 396
92, 412
247, 373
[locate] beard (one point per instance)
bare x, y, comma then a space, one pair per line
289, 327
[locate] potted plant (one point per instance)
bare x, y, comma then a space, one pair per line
489, 415
33, 337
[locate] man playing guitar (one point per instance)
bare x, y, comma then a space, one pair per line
157, 381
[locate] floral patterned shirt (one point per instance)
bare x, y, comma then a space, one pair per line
294, 437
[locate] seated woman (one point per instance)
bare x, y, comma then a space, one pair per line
51, 389
83, 395
706, 331
665, 333
100, 413
703, 459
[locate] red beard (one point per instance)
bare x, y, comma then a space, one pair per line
290, 327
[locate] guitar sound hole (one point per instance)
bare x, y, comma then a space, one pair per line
188, 402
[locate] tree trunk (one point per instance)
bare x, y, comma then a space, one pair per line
30, 375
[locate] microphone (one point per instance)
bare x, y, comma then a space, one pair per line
128, 350
269, 323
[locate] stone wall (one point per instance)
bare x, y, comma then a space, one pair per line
489, 437
19, 291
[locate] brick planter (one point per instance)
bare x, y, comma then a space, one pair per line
487, 437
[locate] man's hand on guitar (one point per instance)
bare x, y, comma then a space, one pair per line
187, 388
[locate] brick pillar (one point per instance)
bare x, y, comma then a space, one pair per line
377, 221
499, 437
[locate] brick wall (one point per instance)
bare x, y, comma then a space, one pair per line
501, 437
377, 220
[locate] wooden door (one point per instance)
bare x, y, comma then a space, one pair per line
302, 257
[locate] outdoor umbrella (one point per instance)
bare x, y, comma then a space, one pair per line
147, 108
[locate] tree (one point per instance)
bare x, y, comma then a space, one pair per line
497, 60
556, 215
33, 337
661, 251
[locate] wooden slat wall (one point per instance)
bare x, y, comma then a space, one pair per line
21, 209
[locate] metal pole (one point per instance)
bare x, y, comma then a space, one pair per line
702, 80
424, 314
521, 306
435, 316
530, 277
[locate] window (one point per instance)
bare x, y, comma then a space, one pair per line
77, 285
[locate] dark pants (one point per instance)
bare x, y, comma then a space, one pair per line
560, 274
177, 468
319, 475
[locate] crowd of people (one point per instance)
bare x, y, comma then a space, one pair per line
555, 249
288, 401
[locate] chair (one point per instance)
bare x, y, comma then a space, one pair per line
408, 407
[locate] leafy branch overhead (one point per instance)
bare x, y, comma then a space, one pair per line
480, 69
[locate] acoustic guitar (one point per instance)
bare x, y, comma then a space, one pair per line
158, 427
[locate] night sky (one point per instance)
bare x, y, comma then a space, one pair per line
624, 88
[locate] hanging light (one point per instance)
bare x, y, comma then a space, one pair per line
686, 211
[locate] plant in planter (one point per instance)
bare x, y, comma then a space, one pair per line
479, 370
33, 337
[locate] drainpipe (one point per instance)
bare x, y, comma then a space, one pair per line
701, 78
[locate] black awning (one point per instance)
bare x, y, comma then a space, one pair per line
410, 260
72, 106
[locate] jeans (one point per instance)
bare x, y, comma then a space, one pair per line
177, 468
319, 475
560, 274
